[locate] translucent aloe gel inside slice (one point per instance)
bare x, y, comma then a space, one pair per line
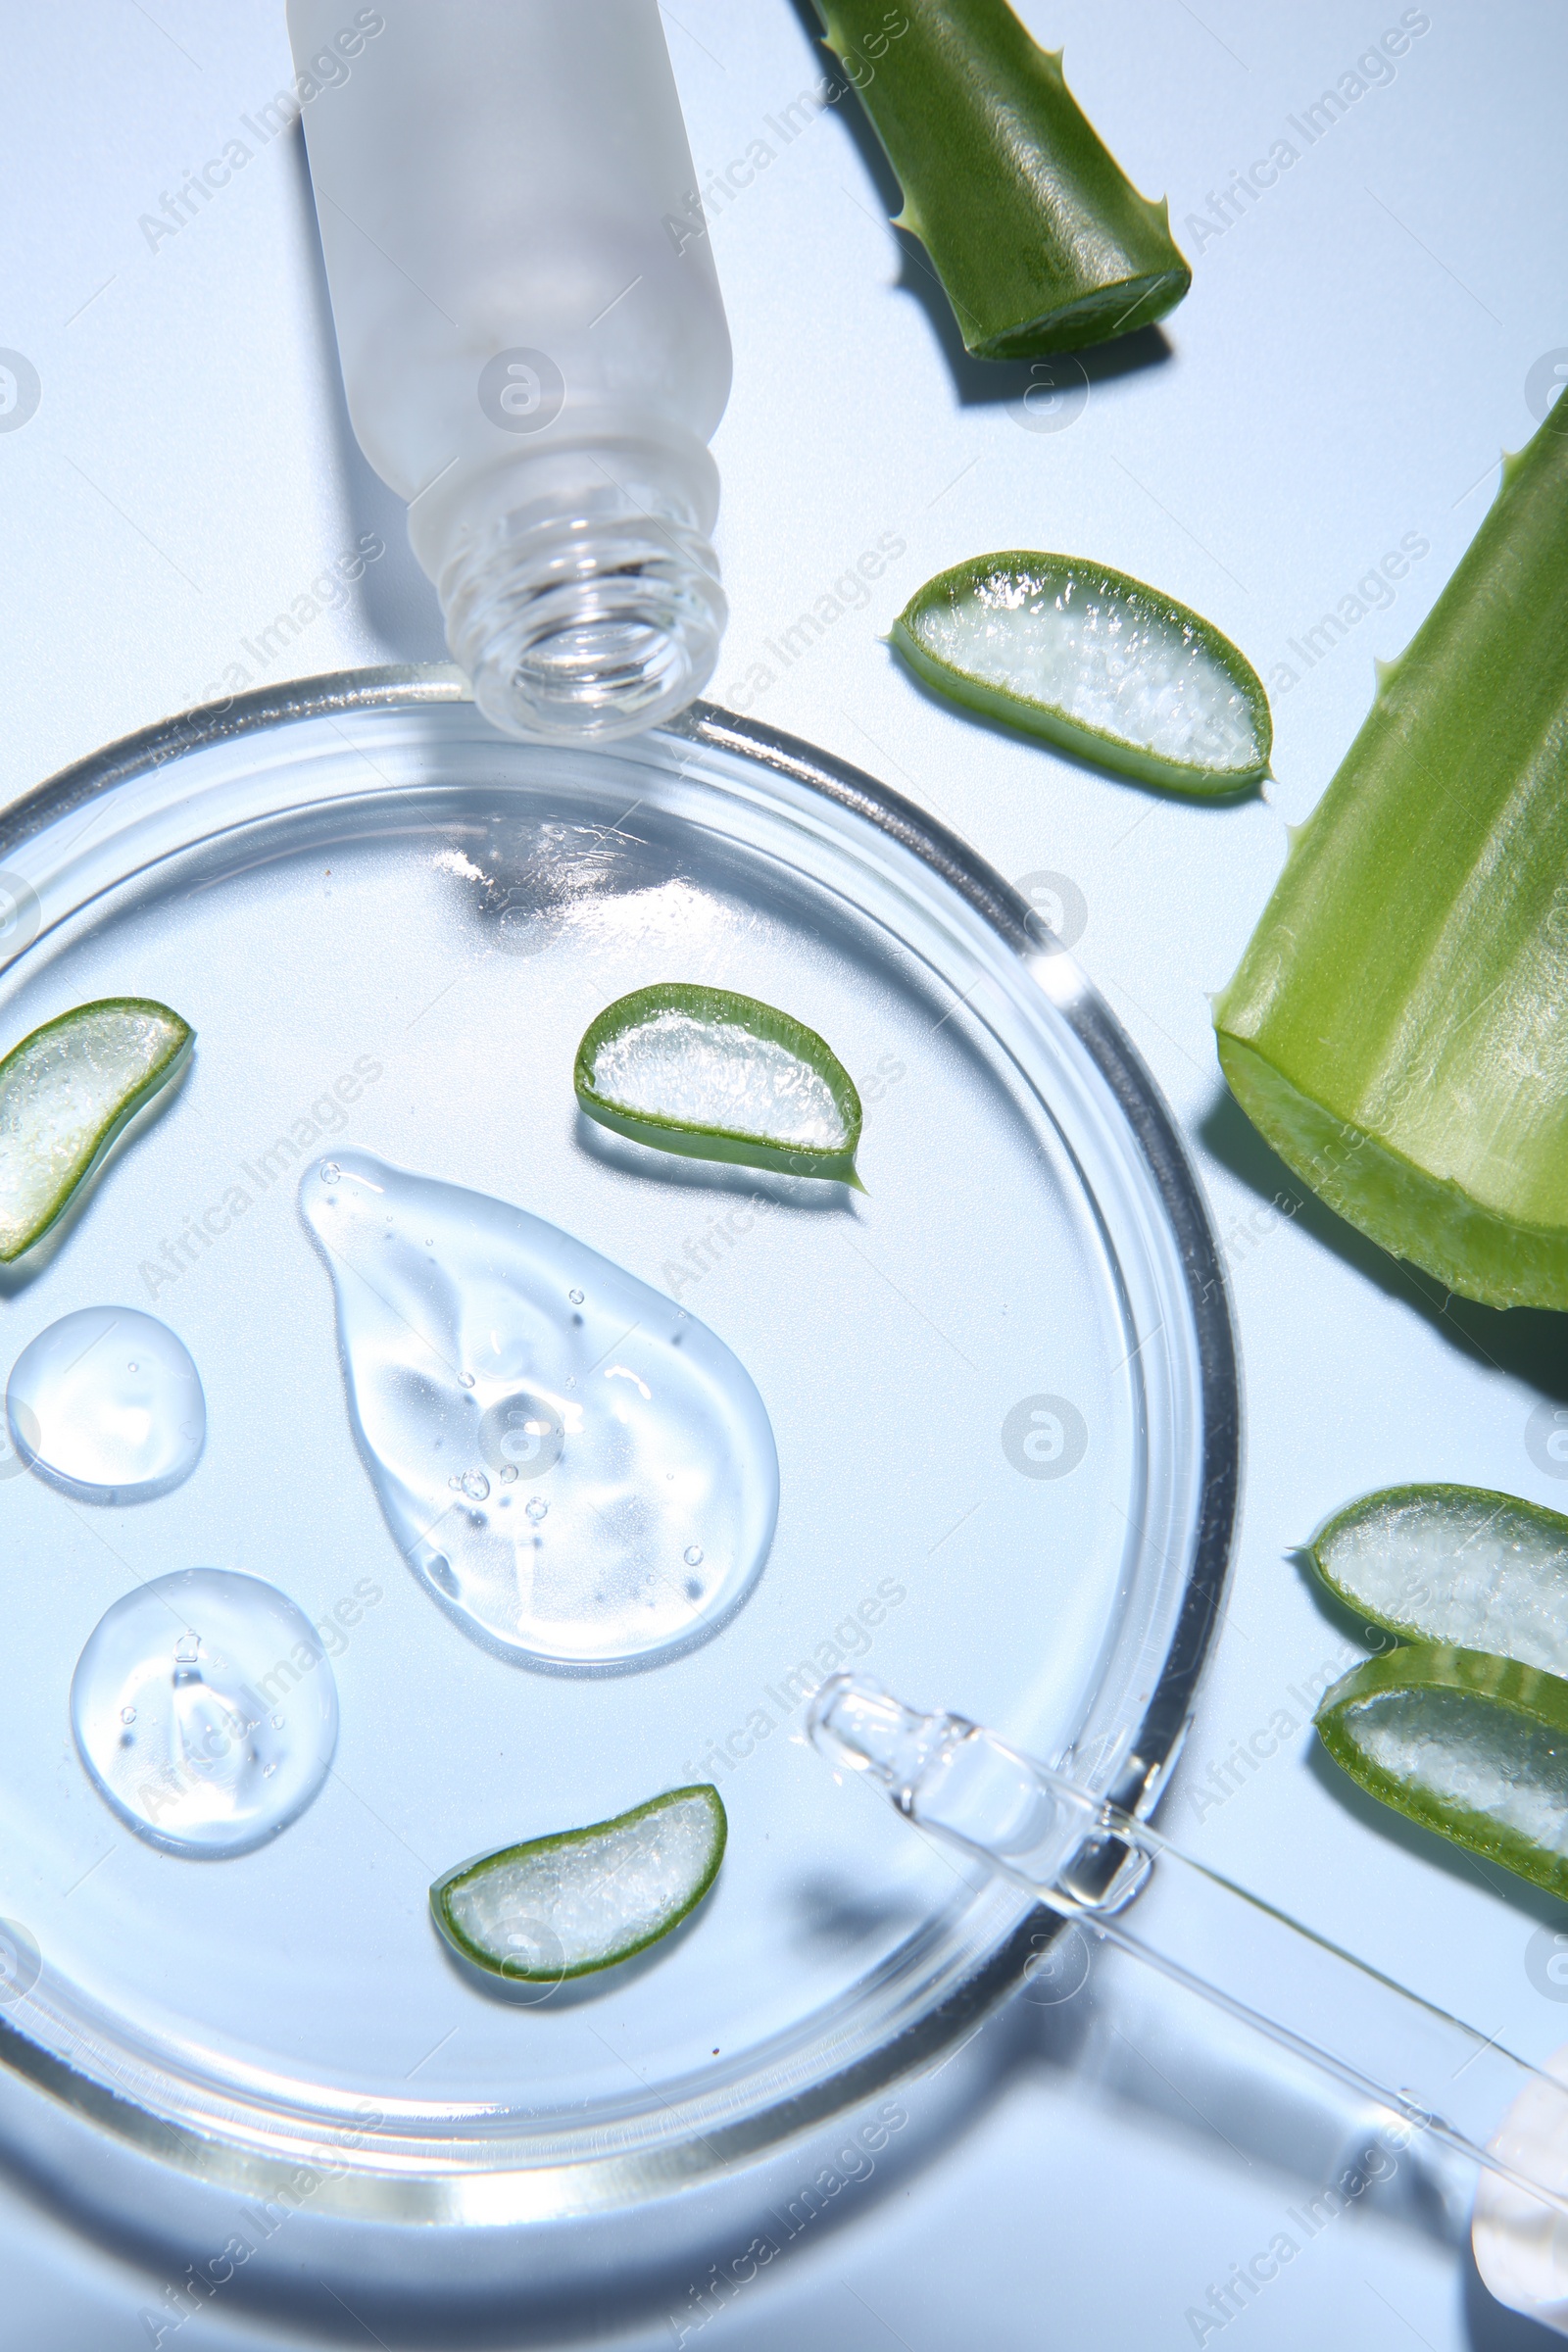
585, 1900
1457, 1566
64, 1093
1470, 1756
1102, 654
719, 1074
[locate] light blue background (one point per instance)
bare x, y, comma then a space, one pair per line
1354, 350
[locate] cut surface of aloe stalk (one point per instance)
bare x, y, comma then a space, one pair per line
1397, 1027
1458, 1566
1112, 670
566, 1905
1475, 1748
714, 1075
66, 1093
1037, 234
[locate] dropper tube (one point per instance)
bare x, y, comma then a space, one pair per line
1088, 1860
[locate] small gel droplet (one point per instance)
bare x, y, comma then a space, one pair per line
105, 1427
330, 1171
464, 1379
575, 1297
693, 1555
509, 1474
537, 1507
278, 1723
476, 1485
200, 1774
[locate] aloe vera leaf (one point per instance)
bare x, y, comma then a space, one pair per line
1398, 1024
1112, 670
1475, 1748
584, 1899
1039, 238
1458, 1566
714, 1075
66, 1093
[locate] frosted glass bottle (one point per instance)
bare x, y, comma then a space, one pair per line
532, 337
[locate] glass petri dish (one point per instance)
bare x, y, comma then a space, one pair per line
1003, 1386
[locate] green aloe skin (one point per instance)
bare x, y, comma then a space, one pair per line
1461, 1567
66, 1094
1041, 241
1466, 1726
584, 1873
729, 1019
961, 609
1399, 1025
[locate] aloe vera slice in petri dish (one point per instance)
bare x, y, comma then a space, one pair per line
567, 1905
66, 1093
1116, 672
1475, 1748
1458, 1566
716, 1075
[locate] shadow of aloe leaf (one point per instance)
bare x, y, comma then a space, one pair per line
1529, 1343
1429, 1847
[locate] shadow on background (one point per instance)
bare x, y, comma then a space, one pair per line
394, 596
1529, 1343
977, 382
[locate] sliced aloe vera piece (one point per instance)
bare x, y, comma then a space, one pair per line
65, 1092
567, 1905
719, 1076
1458, 1566
1039, 237
1117, 672
1475, 1748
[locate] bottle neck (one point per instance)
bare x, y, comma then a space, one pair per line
578, 586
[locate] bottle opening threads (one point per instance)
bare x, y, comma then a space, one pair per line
585, 629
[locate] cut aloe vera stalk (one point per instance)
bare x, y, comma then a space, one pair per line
1457, 1566
567, 1905
1472, 1746
719, 1076
1399, 1025
1110, 669
65, 1092
1040, 239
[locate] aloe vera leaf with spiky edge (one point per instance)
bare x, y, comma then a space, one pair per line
1039, 238
66, 1093
1475, 1748
584, 1899
1397, 1027
1116, 672
714, 1075
1460, 1566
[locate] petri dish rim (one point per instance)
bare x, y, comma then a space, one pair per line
245, 2128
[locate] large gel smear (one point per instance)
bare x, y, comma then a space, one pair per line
582, 1474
